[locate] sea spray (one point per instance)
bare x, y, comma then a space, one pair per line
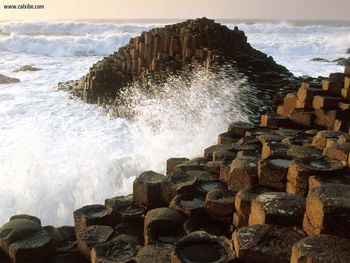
71, 154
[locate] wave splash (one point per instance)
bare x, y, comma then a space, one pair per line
58, 160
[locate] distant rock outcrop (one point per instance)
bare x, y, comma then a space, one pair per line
342, 61
320, 60
5, 80
27, 68
161, 51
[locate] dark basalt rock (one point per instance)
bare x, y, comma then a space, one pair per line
163, 225
158, 253
191, 204
320, 60
220, 202
147, 189
342, 61
273, 171
175, 183
125, 210
243, 198
91, 236
92, 215
201, 246
173, 162
265, 243
176, 48
321, 249
117, 251
277, 208
24, 240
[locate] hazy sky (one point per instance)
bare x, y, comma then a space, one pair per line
120, 9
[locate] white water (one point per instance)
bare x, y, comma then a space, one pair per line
58, 154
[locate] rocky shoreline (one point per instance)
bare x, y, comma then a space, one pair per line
277, 191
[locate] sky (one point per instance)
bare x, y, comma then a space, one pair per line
124, 9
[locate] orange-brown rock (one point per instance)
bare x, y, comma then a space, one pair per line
277, 208
301, 169
328, 210
273, 170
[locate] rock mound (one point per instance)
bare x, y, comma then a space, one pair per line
162, 51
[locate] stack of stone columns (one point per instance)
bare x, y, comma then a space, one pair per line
155, 54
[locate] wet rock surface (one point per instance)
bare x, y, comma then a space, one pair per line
6, 80
321, 249
202, 247
27, 68
265, 243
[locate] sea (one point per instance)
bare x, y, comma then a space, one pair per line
58, 153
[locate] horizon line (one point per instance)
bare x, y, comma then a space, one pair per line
179, 19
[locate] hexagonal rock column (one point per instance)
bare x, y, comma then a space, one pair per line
163, 225
321, 249
208, 152
277, 208
273, 171
196, 164
243, 172
320, 139
173, 162
316, 180
219, 205
273, 148
191, 204
125, 210
92, 215
176, 183
328, 210
23, 238
265, 243
338, 151
115, 251
201, 246
239, 128
91, 236
300, 170
243, 201
147, 191
159, 253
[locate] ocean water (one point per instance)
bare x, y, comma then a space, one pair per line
58, 154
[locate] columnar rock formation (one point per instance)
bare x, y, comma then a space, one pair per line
277, 192
161, 51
